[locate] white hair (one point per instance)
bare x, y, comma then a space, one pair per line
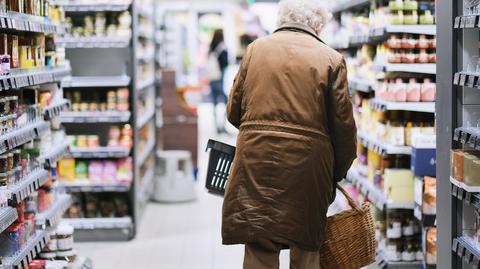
312, 13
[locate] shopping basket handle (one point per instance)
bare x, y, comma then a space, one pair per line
350, 200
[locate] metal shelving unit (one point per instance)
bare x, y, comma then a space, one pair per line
99, 152
457, 110
86, 186
120, 66
95, 117
7, 216
29, 183
92, 229
29, 252
404, 106
382, 147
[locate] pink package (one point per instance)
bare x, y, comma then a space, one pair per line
413, 91
400, 91
109, 171
95, 171
428, 91
125, 170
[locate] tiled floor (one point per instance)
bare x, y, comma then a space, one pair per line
176, 236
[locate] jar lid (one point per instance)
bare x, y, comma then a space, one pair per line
64, 229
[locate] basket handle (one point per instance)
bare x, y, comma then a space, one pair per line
351, 202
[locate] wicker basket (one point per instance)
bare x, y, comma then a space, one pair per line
350, 238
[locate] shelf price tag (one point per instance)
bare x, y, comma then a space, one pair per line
463, 21
456, 79
463, 79
471, 81
456, 24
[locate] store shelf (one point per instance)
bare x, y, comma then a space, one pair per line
467, 79
87, 186
100, 152
347, 5
7, 217
102, 229
96, 81
469, 136
52, 216
54, 155
29, 23
404, 29
28, 185
27, 77
426, 219
384, 263
93, 42
32, 248
146, 190
54, 110
93, 6
471, 189
408, 68
467, 250
465, 22
147, 151
382, 105
362, 85
381, 147
20, 136
380, 34
144, 84
145, 118
376, 196
95, 117
468, 198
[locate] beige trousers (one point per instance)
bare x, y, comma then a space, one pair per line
265, 255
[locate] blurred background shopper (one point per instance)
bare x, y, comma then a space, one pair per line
216, 65
297, 139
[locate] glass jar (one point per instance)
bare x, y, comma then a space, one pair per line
64, 237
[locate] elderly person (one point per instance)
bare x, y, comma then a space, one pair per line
297, 140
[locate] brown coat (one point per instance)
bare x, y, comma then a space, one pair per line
297, 138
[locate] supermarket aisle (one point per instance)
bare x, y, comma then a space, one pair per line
178, 236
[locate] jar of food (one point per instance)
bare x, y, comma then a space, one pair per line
82, 141
66, 255
64, 237
394, 229
394, 250
93, 141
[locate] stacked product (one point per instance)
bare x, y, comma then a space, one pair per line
111, 100
412, 12
94, 171
98, 205
101, 26
410, 49
407, 90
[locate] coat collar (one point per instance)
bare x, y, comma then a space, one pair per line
298, 27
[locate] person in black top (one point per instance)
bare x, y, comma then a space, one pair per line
216, 66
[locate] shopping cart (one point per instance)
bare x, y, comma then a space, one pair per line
219, 166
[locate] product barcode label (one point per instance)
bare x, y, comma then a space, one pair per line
457, 22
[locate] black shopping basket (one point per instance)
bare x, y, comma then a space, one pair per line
219, 166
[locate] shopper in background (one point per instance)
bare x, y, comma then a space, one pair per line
216, 65
297, 140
